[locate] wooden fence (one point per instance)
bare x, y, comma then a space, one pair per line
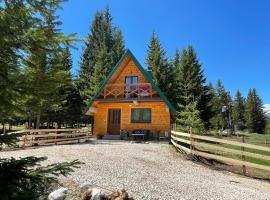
52, 136
190, 143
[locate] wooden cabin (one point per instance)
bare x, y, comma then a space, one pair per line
129, 100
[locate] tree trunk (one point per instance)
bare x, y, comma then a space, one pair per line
38, 119
10, 126
59, 124
29, 123
48, 124
4, 128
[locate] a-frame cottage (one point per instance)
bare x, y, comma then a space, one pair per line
129, 100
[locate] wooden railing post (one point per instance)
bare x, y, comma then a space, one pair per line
191, 140
243, 155
24, 140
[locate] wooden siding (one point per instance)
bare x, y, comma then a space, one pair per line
160, 119
130, 69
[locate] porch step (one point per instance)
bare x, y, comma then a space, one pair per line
111, 137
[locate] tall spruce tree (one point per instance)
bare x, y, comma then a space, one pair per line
103, 48
175, 69
221, 98
157, 63
20, 33
239, 111
44, 73
255, 118
190, 84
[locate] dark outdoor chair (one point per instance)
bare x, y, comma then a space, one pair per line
144, 134
156, 135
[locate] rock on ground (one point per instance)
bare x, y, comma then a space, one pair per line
59, 194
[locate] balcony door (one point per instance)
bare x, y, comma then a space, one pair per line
131, 86
114, 119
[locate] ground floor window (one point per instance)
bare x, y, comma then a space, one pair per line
141, 115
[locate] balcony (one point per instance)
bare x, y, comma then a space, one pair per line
128, 91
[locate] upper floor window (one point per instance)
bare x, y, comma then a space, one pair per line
131, 86
131, 80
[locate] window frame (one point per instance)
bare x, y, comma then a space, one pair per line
141, 115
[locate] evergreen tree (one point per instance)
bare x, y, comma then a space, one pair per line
189, 117
190, 84
159, 66
103, 48
255, 118
22, 31
220, 99
44, 73
239, 111
175, 69
13, 42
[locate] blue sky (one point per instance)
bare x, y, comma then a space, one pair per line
232, 38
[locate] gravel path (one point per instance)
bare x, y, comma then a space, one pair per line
149, 171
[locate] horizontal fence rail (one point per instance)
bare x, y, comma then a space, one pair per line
51, 136
190, 143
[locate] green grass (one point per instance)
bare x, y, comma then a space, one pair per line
250, 138
14, 128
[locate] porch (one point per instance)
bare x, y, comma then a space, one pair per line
128, 91
137, 135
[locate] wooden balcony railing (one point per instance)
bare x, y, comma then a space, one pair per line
128, 91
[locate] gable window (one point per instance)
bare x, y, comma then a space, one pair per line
131, 86
141, 115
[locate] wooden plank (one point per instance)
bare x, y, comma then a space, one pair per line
234, 151
180, 140
181, 134
252, 146
207, 138
230, 160
180, 147
54, 135
54, 140
51, 130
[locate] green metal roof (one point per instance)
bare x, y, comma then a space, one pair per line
146, 74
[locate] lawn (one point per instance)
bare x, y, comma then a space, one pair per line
250, 138
257, 139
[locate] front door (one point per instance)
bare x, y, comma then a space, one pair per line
114, 119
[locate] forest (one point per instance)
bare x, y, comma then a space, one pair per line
39, 90
37, 87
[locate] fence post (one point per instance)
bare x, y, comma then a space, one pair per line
243, 155
191, 140
24, 139
266, 142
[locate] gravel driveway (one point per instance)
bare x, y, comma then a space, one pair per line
149, 171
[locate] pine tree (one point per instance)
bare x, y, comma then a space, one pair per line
190, 83
104, 47
220, 99
175, 69
157, 63
255, 118
20, 34
44, 73
189, 117
239, 111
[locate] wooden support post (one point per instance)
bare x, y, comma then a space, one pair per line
24, 138
191, 140
243, 155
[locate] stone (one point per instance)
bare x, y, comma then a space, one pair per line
86, 186
59, 194
98, 194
